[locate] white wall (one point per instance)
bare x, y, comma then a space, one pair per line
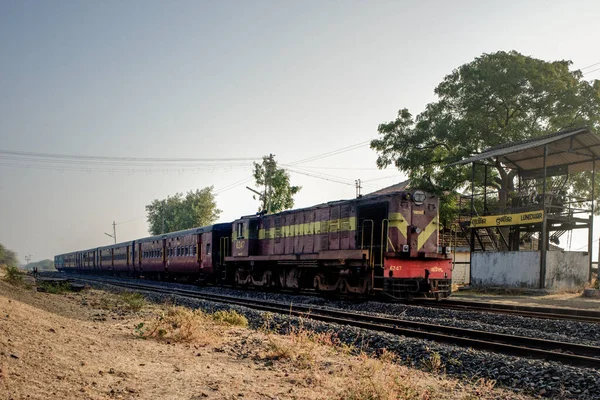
567, 269
564, 270
460, 273
506, 268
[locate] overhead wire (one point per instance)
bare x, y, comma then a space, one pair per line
330, 153
589, 66
122, 159
589, 72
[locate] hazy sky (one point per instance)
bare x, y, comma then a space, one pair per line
229, 79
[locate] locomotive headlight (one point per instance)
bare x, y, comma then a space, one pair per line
419, 197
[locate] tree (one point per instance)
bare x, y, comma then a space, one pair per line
43, 265
177, 212
495, 99
8, 257
278, 193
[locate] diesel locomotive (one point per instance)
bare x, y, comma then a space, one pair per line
380, 244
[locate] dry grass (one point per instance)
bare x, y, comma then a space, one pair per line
177, 324
359, 376
180, 324
304, 348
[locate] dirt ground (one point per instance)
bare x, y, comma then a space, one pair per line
84, 346
562, 300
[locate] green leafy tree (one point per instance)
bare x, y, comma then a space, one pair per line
8, 257
495, 99
274, 183
179, 212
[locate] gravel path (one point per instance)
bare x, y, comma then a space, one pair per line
548, 379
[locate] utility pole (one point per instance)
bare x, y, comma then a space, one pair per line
28, 258
268, 181
163, 219
114, 235
358, 187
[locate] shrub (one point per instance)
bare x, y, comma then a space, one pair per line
133, 301
230, 317
13, 275
178, 324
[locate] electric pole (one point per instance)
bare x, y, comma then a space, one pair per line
114, 235
28, 258
358, 187
268, 182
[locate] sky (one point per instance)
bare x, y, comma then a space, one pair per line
230, 79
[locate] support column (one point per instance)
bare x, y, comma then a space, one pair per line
543, 240
591, 228
471, 230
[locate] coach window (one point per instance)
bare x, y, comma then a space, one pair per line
207, 248
194, 250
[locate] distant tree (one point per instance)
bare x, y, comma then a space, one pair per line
495, 99
8, 257
274, 183
177, 212
43, 265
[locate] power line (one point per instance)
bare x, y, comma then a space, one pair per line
589, 72
331, 153
589, 66
320, 177
338, 168
233, 185
121, 159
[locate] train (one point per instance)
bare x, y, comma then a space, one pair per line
382, 244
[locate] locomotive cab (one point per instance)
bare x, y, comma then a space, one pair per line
244, 237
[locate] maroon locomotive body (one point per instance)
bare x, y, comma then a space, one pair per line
384, 243
377, 244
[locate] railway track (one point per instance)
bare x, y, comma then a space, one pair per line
566, 353
571, 314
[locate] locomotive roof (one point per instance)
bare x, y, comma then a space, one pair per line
385, 192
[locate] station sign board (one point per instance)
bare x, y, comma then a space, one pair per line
525, 218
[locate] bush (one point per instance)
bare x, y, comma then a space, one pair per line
13, 275
177, 324
230, 317
133, 301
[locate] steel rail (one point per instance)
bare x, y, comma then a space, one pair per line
571, 314
567, 353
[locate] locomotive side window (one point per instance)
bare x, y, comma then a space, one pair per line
240, 230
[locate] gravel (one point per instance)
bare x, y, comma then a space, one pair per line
548, 379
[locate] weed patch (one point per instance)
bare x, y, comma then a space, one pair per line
377, 379
133, 301
54, 287
433, 363
177, 324
230, 317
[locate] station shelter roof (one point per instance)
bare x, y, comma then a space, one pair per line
569, 151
